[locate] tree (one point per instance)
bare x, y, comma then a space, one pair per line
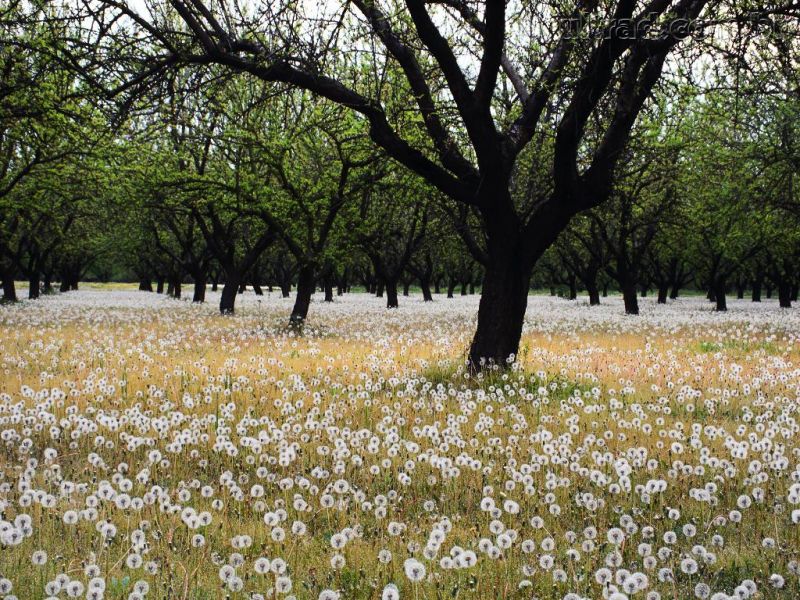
478, 105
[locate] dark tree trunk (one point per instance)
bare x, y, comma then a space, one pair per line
34, 286
406, 288
471, 288
768, 289
451, 286
464, 288
199, 294
227, 300
594, 294
739, 291
795, 292
501, 312
286, 288
170, 288
242, 287
784, 295
755, 294
64, 287
9, 288
644, 292
379, 289
47, 284
391, 294
663, 292
160, 285
215, 282
673, 294
145, 285
437, 286
426, 290
719, 296
629, 298
328, 290
552, 290
177, 289
305, 289
573, 289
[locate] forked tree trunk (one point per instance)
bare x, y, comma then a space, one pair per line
629, 298
501, 311
305, 289
391, 294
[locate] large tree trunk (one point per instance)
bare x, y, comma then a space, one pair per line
305, 289
227, 300
199, 294
145, 285
34, 285
784, 295
629, 298
391, 294
501, 311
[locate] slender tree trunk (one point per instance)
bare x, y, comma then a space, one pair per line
406, 288
199, 294
437, 286
227, 300
425, 284
215, 282
594, 294
379, 289
501, 312
769, 291
464, 288
784, 295
328, 289
305, 289
471, 288
34, 285
605, 290
177, 288
9, 288
629, 298
663, 292
573, 289
795, 291
160, 285
755, 294
719, 295
391, 294
286, 288
739, 291
451, 286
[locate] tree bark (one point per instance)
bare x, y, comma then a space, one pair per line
719, 296
199, 294
451, 286
227, 300
501, 311
328, 290
594, 295
391, 294
145, 285
784, 295
305, 289
426, 290
34, 286
9, 288
160, 285
630, 299
663, 292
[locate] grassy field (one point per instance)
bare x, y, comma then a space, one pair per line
153, 449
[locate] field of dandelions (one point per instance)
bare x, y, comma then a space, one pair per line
153, 449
